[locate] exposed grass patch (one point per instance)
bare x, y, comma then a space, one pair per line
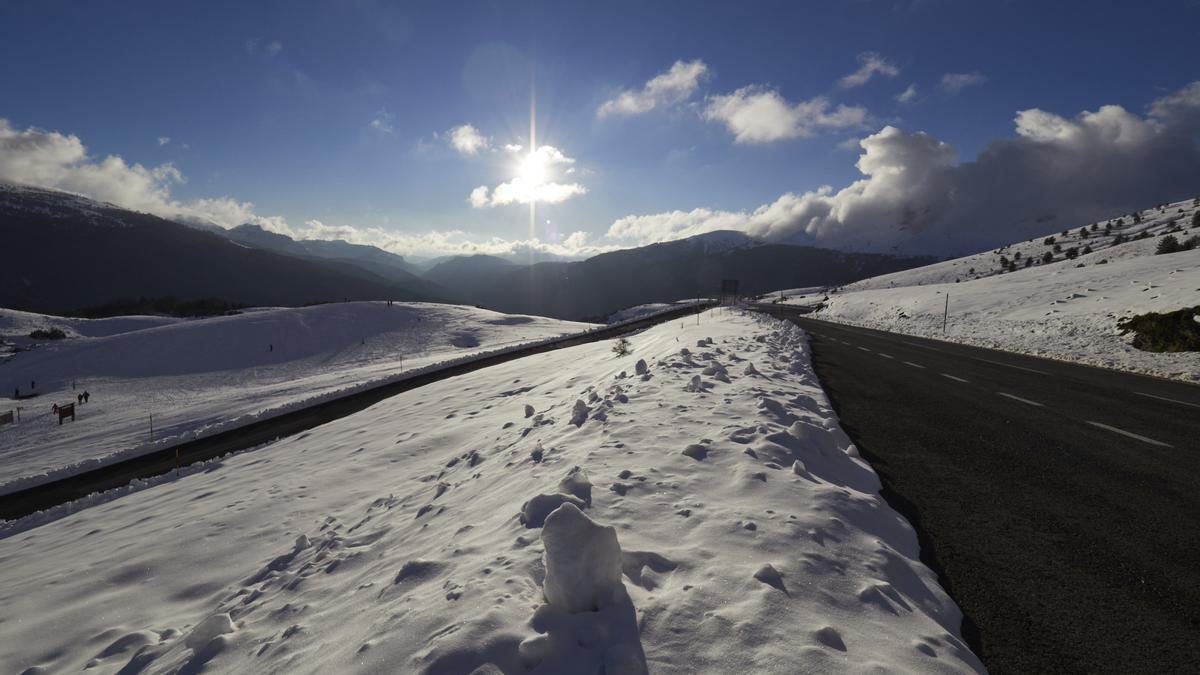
1176, 331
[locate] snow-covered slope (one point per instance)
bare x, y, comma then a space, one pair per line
197, 376
1067, 309
698, 494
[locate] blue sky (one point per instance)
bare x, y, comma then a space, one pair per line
339, 112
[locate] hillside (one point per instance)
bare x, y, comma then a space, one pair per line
1066, 308
63, 252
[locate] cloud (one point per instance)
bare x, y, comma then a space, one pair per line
916, 197
536, 181
870, 65
163, 140
467, 140
274, 47
60, 161
381, 124
909, 95
756, 114
952, 83
676, 84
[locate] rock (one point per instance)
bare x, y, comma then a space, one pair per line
582, 560
770, 576
528, 410
535, 511
577, 484
579, 413
640, 367
696, 451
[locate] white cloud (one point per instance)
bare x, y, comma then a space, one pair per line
908, 95
758, 115
381, 124
60, 161
952, 83
916, 197
163, 140
676, 84
467, 140
536, 181
870, 65
274, 47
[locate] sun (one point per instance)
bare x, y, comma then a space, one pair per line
533, 170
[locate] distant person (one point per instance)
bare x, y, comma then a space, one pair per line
32, 384
17, 392
79, 399
54, 408
86, 396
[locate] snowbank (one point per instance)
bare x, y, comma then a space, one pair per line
392, 540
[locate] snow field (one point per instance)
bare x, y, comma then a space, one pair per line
1066, 310
200, 376
691, 507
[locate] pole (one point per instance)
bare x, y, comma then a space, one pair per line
151, 427
946, 313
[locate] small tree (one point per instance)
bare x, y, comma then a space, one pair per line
1028, 262
1058, 248
1047, 258
1086, 250
1073, 252
1196, 219
1168, 244
622, 347
1048, 241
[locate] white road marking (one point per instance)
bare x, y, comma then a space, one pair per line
1022, 400
920, 345
1164, 398
886, 356
1001, 363
956, 379
1130, 434
864, 349
914, 365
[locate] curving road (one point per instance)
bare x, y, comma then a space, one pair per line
1059, 504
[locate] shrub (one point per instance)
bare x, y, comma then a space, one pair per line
1196, 219
1048, 241
1047, 257
1073, 252
48, 334
1028, 262
1176, 331
622, 347
1086, 250
1058, 248
1168, 244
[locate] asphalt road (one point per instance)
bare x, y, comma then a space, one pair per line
25, 502
1059, 504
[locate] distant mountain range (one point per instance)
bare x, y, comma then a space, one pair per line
63, 252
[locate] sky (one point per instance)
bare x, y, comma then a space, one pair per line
935, 126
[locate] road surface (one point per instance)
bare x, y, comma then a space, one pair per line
1059, 504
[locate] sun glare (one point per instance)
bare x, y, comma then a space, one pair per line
533, 171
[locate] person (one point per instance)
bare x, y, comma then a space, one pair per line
79, 399
33, 384
54, 408
86, 396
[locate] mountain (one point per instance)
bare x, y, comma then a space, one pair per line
468, 278
63, 252
663, 272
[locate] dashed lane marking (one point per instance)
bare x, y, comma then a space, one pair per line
1164, 398
1130, 434
914, 365
864, 349
1022, 400
1001, 363
886, 356
956, 379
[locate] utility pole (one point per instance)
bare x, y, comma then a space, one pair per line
946, 313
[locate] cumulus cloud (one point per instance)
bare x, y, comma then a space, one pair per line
756, 114
454, 242
916, 197
537, 181
467, 140
908, 95
676, 84
870, 64
952, 83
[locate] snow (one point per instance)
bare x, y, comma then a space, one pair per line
199, 376
1066, 310
642, 311
391, 540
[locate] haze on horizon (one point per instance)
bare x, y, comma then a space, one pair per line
932, 127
